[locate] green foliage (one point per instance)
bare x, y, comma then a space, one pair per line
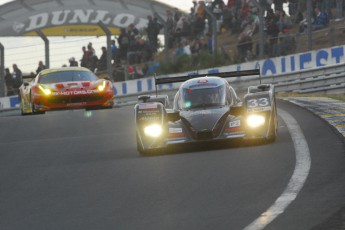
185, 63
180, 64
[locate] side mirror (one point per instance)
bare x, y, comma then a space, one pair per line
236, 110
144, 98
173, 115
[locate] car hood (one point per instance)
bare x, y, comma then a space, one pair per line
75, 85
203, 119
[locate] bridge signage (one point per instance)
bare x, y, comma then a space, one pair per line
75, 17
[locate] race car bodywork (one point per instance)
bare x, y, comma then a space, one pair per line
65, 88
206, 108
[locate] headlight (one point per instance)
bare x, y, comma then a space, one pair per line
153, 130
255, 121
102, 86
45, 91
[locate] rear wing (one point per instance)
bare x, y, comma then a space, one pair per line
165, 80
242, 73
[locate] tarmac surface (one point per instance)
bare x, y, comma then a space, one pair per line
333, 111
330, 110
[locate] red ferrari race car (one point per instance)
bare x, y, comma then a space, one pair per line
65, 88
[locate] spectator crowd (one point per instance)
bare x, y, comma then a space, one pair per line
190, 34
13, 80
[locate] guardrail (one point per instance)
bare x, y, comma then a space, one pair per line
330, 79
326, 80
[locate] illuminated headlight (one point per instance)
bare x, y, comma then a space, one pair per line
153, 130
255, 121
45, 91
102, 86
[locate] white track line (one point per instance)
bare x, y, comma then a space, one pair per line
297, 180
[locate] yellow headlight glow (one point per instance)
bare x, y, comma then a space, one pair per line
255, 120
45, 91
153, 130
101, 87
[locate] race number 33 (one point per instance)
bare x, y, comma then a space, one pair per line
258, 102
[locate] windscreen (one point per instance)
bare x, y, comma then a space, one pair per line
67, 76
202, 97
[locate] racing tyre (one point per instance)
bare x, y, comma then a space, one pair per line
22, 108
34, 110
272, 133
140, 149
147, 152
22, 112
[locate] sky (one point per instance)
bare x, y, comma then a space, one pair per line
181, 4
27, 52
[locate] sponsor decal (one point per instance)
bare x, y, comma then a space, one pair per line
175, 130
149, 118
148, 106
149, 112
303, 61
258, 109
72, 93
203, 85
18, 27
76, 104
74, 30
233, 124
203, 81
14, 101
73, 86
75, 17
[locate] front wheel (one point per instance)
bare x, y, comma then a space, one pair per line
140, 148
34, 111
22, 105
147, 152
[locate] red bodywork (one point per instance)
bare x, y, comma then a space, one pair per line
73, 95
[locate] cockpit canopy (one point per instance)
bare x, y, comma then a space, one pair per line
205, 92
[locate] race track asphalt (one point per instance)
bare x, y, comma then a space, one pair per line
81, 170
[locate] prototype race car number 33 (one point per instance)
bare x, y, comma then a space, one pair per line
205, 108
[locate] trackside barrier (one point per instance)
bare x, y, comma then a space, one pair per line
314, 71
306, 81
330, 79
